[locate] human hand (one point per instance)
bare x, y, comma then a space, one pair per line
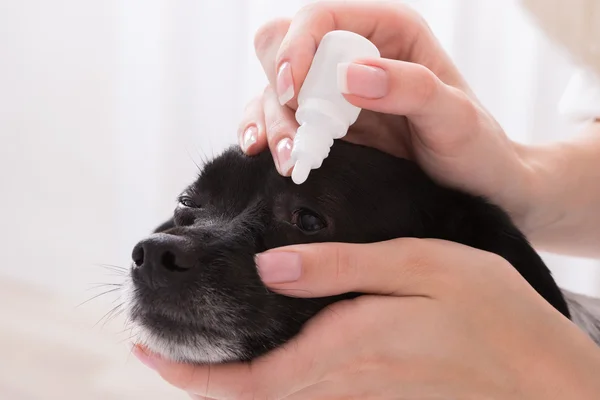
443, 321
415, 103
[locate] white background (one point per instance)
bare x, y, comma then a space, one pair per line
105, 106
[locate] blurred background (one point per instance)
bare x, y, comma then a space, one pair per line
105, 106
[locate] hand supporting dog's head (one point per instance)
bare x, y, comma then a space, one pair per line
194, 293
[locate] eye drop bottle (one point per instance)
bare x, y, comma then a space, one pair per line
323, 113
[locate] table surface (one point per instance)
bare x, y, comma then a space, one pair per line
51, 350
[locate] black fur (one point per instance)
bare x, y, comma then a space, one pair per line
197, 283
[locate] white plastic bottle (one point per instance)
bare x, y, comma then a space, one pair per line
323, 112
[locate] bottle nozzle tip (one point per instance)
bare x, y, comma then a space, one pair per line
300, 172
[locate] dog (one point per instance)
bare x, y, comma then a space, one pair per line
193, 293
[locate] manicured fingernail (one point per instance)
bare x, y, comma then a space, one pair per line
285, 83
284, 155
144, 357
279, 267
362, 80
249, 137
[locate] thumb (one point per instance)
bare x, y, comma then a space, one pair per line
400, 267
443, 115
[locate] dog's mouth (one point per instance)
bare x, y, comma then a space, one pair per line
192, 320
198, 347
179, 334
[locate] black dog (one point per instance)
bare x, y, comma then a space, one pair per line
194, 292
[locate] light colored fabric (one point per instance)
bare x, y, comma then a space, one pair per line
581, 100
585, 313
573, 24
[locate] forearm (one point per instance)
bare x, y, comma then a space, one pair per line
564, 214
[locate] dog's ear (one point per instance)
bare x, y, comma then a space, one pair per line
165, 226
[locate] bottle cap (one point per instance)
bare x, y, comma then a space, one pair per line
311, 147
301, 170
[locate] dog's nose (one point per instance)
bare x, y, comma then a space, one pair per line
163, 251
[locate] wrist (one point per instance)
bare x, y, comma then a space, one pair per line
545, 183
563, 194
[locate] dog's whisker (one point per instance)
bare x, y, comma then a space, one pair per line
114, 316
127, 339
98, 295
103, 285
112, 267
107, 315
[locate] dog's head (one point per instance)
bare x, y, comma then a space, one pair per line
194, 293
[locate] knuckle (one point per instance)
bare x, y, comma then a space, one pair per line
269, 33
346, 267
426, 88
414, 24
418, 262
470, 109
466, 114
315, 19
416, 254
315, 9
317, 15
277, 130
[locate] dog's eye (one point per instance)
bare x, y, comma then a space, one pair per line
187, 201
308, 221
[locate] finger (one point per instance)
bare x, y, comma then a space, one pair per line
251, 132
267, 41
225, 381
444, 116
281, 128
286, 370
400, 267
397, 30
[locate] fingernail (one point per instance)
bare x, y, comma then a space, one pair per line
362, 80
285, 83
249, 137
279, 267
145, 358
284, 155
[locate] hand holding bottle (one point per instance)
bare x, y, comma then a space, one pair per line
415, 103
323, 112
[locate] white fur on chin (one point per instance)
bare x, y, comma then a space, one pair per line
199, 351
